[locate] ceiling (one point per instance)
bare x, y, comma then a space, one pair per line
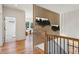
25, 7
59, 8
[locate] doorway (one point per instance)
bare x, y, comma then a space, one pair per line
29, 26
10, 29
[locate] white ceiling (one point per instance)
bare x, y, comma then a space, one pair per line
59, 8
25, 7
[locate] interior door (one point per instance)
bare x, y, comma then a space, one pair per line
10, 29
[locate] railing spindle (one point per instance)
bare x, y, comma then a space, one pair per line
54, 44
64, 45
60, 45
49, 44
78, 47
68, 45
57, 44
73, 46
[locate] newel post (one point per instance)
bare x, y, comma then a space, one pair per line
46, 43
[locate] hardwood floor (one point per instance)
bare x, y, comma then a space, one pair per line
26, 47
20, 47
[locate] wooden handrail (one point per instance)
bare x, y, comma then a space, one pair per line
66, 37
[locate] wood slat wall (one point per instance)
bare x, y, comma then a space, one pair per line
44, 13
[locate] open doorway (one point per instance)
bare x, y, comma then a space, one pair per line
10, 29
29, 26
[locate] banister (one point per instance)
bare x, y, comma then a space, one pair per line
66, 37
59, 38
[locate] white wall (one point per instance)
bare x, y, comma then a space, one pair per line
29, 13
1, 26
70, 24
20, 20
